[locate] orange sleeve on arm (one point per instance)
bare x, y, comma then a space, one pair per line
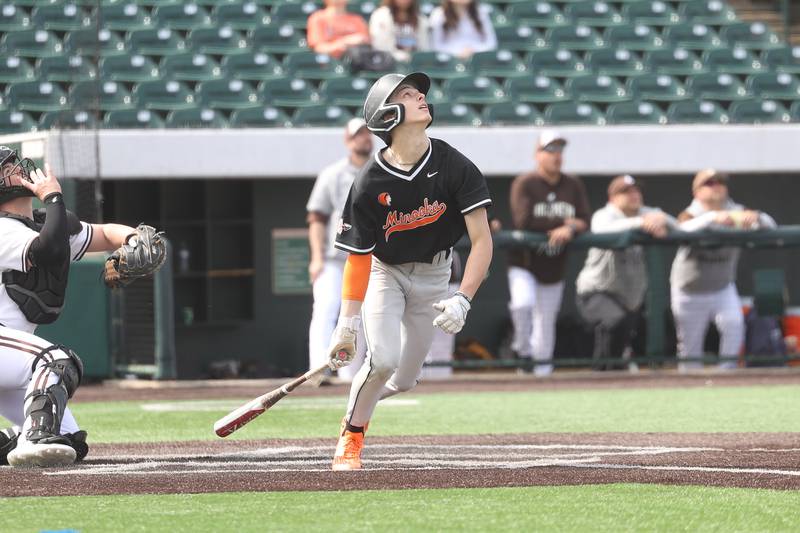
356, 277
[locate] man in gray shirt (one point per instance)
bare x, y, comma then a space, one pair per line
612, 284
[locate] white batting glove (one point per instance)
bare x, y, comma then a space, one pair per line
342, 348
453, 313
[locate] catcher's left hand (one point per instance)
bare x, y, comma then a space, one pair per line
142, 254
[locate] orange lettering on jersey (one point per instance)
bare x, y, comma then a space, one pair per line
426, 214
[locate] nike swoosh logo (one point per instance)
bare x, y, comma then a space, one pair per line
432, 174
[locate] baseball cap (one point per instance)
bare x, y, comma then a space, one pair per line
548, 137
622, 184
354, 125
706, 175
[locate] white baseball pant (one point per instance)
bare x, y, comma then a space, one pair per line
442, 349
694, 311
534, 309
398, 318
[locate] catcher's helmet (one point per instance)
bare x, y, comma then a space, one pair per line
382, 117
10, 164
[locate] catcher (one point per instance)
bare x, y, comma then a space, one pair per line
36, 248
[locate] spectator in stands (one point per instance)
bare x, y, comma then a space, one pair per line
332, 30
546, 201
612, 284
461, 28
399, 28
703, 280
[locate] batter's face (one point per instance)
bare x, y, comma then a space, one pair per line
713, 192
360, 144
550, 158
413, 101
628, 201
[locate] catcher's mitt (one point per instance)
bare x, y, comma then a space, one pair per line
142, 254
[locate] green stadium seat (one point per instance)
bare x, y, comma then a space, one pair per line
635, 113
714, 86
535, 89
155, 42
287, 92
12, 18
219, 41
240, 16
128, 68
437, 65
674, 61
751, 35
210, 4
573, 113
38, 43
693, 37
313, 66
596, 89
93, 42
794, 111
102, 95
615, 62
163, 95
294, 13
277, 39
511, 114
651, 13
758, 112
519, 38
774, 85
252, 66
456, 114
3, 103
149, 3
196, 118
595, 14
473, 90
60, 17
657, 88
184, 16
363, 7
436, 95
712, 12
16, 122
190, 67
556, 62
575, 38
696, 112
732, 60
322, 115
639, 38
65, 68
226, 94
786, 59
260, 117
348, 92
124, 16
14, 69
133, 119
36, 96
537, 14
497, 64
68, 120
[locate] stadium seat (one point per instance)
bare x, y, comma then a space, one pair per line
240, 16
714, 86
511, 114
16, 122
731, 60
60, 17
674, 61
38, 43
497, 64
196, 118
294, 13
696, 112
67, 120
693, 37
535, 89
155, 42
363, 7
102, 95
794, 111
183, 16
322, 115
313, 66
220, 41
456, 114
758, 112
13, 18
14, 69
287, 92
594, 14
657, 88
226, 94
573, 113
190, 67
575, 38
437, 65
711, 12
615, 62
751, 35
123, 16
774, 85
596, 88
786, 59
259, 117
651, 13
93, 42
476, 91
36, 96
128, 68
65, 68
252, 66
537, 14
639, 38
277, 39
635, 113
133, 119
556, 62
163, 95
519, 38
348, 92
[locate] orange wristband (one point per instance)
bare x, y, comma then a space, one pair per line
356, 277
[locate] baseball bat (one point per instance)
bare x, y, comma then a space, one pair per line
247, 412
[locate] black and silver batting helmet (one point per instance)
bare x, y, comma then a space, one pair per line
382, 117
11, 164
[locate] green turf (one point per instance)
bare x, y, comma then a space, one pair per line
594, 508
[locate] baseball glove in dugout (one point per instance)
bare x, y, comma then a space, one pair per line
142, 255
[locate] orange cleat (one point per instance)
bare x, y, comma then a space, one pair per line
348, 450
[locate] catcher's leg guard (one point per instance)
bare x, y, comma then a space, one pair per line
78, 442
8, 441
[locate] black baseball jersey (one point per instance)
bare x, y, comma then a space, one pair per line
409, 216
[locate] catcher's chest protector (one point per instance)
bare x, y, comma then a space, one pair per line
39, 293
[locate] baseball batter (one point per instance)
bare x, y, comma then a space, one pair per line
703, 280
36, 376
407, 208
